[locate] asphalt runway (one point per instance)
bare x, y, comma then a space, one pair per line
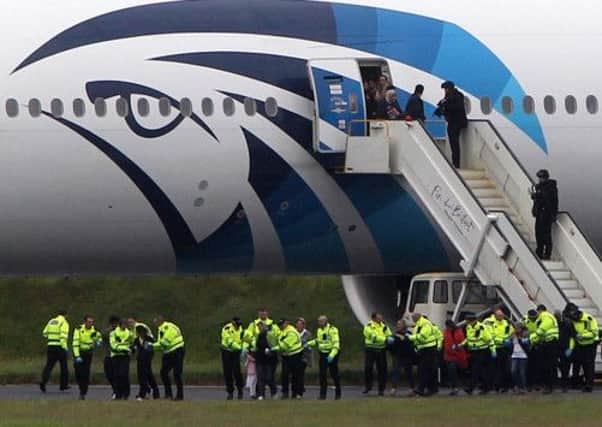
215, 393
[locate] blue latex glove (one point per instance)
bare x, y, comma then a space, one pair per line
148, 345
525, 341
243, 352
329, 359
579, 337
568, 353
79, 360
390, 340
508, 342
493, 355
99, 343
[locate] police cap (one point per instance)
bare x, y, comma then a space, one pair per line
532, 314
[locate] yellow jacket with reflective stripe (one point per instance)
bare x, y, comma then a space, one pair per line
478, 337
169, 338
57, 332
289, 342
252, 331
376, 334
587, 327
501, 330
85, 339
547, 328
425, 334
120, 341
327, 340
232, 337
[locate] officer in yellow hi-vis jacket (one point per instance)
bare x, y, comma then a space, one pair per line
425, 337
584, 344
56, 333
546, 338
85, 339
329, 347
479, 343
502, 332
290, 347
377, 336
171, 342
232, 348
120, 341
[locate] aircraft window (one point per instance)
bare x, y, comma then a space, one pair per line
467, 105
100, 107
440, 292
143, 107
591, 103
420, 293
164, 107
122, 107
250, 106
529, 104
549, 104
79, 107
35, 107
186, 107
486, 105
56, 107
229, 107
271, 107
12, 108
570, 104
507, 105
207, 106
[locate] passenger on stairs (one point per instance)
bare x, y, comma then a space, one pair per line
388, 108
545, 209
415, 105
453, 109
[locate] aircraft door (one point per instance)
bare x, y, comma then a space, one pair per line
339, 101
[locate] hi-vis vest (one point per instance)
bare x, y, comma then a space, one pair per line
425, 335
57, 332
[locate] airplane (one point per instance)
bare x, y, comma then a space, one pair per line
189, 137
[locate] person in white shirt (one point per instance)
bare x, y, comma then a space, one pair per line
520, 359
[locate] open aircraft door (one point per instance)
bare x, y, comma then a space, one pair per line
339, 103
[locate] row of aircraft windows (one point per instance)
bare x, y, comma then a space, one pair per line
185, 107
143, 107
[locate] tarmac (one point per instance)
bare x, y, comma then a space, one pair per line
217, 393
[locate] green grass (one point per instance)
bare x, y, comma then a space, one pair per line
198, 305
462, 412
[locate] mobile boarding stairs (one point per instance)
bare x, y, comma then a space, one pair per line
484, 209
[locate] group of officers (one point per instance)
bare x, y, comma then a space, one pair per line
552, 342
123, 338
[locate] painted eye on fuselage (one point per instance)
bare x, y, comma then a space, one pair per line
134, 106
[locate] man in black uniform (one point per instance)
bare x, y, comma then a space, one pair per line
545, 209
453, 109
415, 105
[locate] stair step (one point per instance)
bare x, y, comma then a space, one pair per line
574, 293
486, 193
568, 284
561, 275
554, 265
494, 202
479, 183
472, 173
586, 304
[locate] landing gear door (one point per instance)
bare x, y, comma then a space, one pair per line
339, 103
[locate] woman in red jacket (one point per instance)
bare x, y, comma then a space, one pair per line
455, 357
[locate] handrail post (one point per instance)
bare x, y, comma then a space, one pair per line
470, 264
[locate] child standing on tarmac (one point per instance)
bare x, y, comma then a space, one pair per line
519, 359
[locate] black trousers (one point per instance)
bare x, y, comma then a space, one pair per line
146, 378
565, 371
502, 378
110, 372
453, 134
56, 354
534, 368
480, 367
548, 359
427, 370
543, 236
292, 371
407, 366
586, 355
121, 372
378, 358
231, 369
82, 372
173, 361
333, 368
266, 378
